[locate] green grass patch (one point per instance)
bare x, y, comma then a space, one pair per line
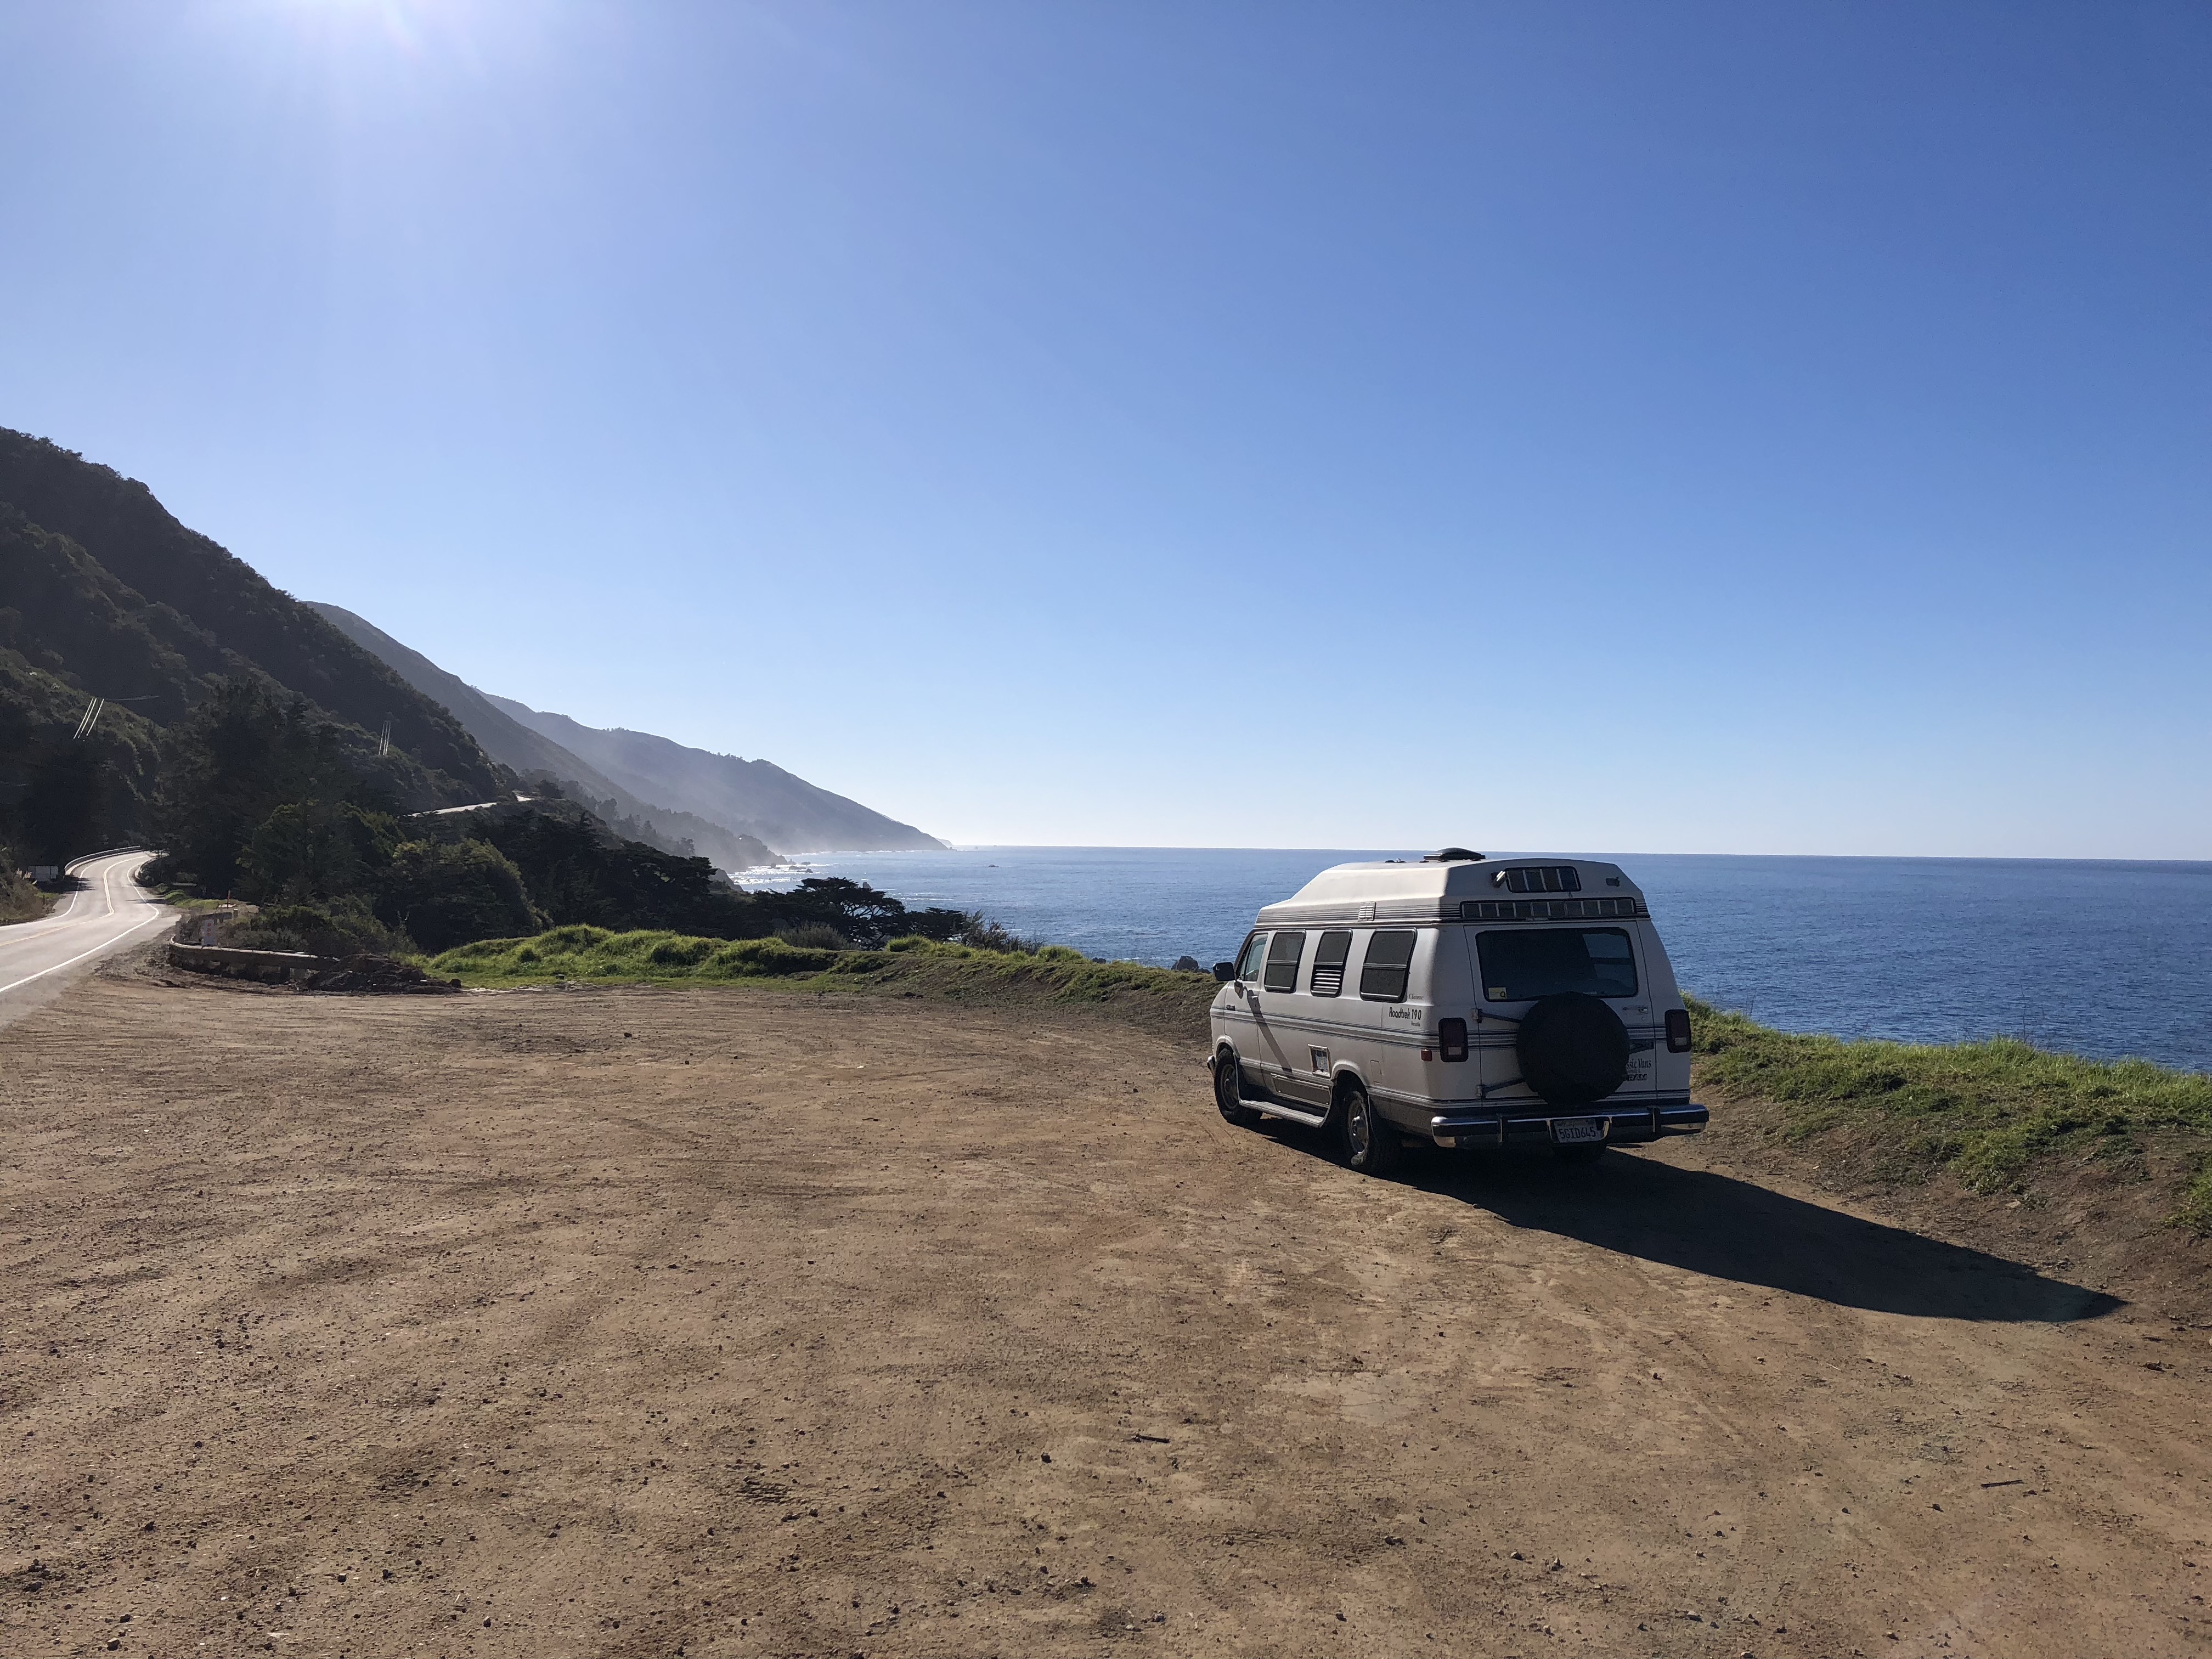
593, 954
190, 903
1984, 1111
906, 966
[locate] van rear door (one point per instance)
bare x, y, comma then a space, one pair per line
1515, 966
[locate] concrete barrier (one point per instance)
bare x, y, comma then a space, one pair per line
252, 964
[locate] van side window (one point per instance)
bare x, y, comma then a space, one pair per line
1283, 961
1383, 975
1328, 964
1255, 951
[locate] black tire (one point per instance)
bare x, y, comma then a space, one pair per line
1573, 1049
1364, 1141
1228, 1092
1583, 1156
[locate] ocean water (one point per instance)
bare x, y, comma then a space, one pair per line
2103, 958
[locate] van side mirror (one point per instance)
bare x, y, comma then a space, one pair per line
1224, 971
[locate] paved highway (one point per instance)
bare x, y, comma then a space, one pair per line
110, 911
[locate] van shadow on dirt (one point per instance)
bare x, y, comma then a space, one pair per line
1747, 1234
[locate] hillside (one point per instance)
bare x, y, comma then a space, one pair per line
102, 664
194, 610
532, 755
787, 813
67, 616
69, 631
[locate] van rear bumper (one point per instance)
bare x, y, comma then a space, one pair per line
1622, 1124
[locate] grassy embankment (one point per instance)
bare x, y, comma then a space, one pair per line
1986, 1113
906, 966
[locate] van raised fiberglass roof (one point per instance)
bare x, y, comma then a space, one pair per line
1536, 888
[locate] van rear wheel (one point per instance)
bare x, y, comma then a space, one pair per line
1368, 1144
1228, 1092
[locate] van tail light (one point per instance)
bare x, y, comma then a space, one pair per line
1451, 1038
1678, 1030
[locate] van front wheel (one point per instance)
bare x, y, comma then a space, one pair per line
1369, 1145
1229, 1094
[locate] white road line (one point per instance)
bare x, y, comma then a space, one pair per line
70, 919
135, 927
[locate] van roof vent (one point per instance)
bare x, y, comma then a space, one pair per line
1453, 855
1538, 878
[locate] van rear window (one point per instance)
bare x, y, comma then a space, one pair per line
1522, 963
1383, 974
1283, 962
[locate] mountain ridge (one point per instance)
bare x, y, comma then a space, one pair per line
782, 808
529, 754
739, 813
777, 806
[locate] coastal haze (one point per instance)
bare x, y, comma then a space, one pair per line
738, 812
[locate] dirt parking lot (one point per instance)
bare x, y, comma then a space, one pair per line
730, 1323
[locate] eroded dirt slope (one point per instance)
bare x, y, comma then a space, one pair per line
635, 1322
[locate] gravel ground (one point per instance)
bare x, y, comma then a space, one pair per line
729, 1323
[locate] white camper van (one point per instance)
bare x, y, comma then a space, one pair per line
1467, 1001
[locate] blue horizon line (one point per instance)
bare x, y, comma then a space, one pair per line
1825, 858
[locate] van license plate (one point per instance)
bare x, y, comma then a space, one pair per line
1568, 1131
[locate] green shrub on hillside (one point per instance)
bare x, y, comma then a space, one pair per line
19, 900
235, 762
579, 872
990, 936
313, 849
446, 895
339, 927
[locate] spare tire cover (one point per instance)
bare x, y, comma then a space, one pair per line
1573, 1049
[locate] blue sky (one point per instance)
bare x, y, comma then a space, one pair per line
1698, 428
